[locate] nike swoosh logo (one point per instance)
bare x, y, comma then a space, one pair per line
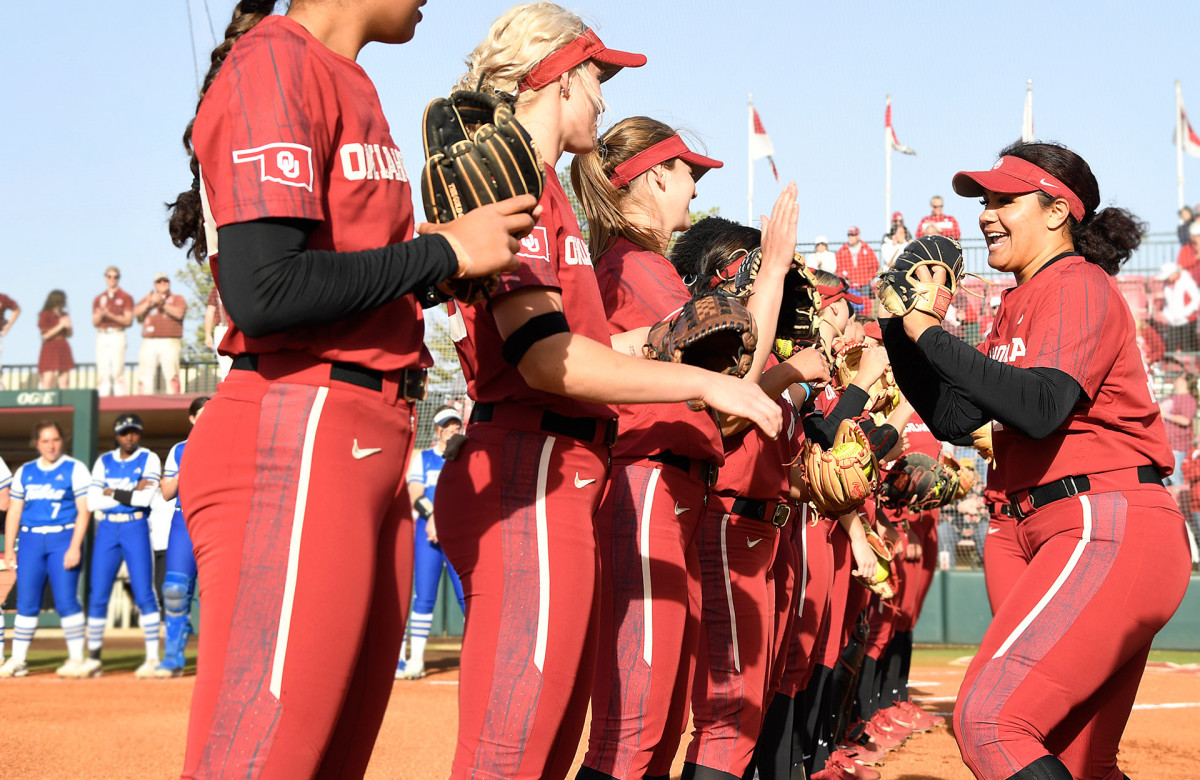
680, 510
580, 483
992, 531
360, 453
751, 544
1045, 183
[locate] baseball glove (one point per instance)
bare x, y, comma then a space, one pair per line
950, 480
912, 482
738, 275
981, 440
884, 394
881, 583
900, 291
799, 310
842, 477
714, 332
476, 153
967, 477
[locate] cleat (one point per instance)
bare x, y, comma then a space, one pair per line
91, 668
164, 672
902, 720
841, 766
148, 669
928, 719
72, 669
887, 739
14, 668
863, 755
412, 673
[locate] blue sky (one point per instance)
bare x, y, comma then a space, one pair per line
96, 96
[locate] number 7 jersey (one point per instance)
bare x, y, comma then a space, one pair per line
49, 494
1071, 317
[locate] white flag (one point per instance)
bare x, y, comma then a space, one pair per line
889, 133
1027, 119
760, 142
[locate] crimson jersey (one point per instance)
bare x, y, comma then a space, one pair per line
758, 467
1071, 317
640, 288
920, 439
555, 256
310, 142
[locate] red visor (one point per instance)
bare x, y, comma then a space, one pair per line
830, 295
1015, 176
587, 46
661, 152
873, 330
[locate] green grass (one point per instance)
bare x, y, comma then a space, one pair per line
117, 659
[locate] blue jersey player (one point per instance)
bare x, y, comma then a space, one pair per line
179, 584
123, 483
5, 481
428, 558
47, 519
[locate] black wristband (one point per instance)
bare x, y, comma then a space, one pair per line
123, 497
534, 330
424, 507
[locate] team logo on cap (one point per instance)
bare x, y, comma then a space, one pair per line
285, 163
998, 163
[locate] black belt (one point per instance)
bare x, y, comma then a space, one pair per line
757, 510
1001, 508
705, 470
412, 380
588, 429
1071, 486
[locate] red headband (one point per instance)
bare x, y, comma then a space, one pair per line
667, 149
586, 46
831, 295
1014, 176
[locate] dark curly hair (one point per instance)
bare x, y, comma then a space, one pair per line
1106, 237
707, 247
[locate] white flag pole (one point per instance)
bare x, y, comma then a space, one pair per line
1180, 129
887, 186
1027, 117
750, 160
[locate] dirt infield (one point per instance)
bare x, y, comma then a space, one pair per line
119, 727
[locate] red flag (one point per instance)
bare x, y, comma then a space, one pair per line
1191, 141
889, 133
760, 142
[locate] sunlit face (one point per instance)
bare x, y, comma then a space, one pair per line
1016, 229
582, 109
50, 444
111, 279
395, 21
936, 204
680, 189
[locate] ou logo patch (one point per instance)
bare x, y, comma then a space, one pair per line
535, 246
285, 163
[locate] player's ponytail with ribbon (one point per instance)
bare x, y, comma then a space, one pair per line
1107, 237
186, 223
708, 247
591, 176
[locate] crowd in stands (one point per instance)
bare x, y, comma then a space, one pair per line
160, 315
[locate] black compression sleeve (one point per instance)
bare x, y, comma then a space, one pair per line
1034, 401
918, 381
123, 497
271, 282
822, 427
882, 437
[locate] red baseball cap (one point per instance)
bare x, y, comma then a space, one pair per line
667, 149
1014, 176
830, 295
852, 230
897, 216
587, 46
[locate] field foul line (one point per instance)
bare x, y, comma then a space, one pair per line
1181, 705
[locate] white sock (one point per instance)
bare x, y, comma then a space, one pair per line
418, 626
73, 632
23, 628
95, 633
150, 623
